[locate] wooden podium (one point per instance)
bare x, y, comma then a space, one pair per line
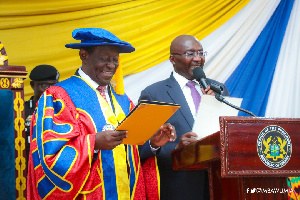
250, 158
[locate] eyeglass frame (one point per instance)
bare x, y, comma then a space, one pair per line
204, 54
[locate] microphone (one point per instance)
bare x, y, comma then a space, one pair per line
199, 75
216, 88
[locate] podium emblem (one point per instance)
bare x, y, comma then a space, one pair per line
274, 146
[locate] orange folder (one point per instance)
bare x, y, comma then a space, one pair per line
145, 119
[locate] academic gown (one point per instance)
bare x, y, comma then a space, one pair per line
62, 160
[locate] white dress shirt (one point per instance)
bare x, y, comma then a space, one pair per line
182, 81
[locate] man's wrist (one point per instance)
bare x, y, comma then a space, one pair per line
153, 149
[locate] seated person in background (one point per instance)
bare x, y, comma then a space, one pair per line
75, 151
186, 53
42, 77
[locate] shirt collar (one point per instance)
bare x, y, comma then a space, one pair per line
182, 81
88, 79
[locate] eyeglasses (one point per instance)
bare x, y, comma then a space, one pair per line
192, 54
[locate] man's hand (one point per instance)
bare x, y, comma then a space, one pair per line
109, 139
186, 139
165, 134
208, 91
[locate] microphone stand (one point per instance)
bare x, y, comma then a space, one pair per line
218, 96
222, 99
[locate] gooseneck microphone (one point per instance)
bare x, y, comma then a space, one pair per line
199, 75
222, 99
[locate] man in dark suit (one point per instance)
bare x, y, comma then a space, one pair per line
186, 53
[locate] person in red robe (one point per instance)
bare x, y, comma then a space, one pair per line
75, 152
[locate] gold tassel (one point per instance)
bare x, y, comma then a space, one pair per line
119, 79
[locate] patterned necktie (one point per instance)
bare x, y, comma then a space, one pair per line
195, 94
101, 89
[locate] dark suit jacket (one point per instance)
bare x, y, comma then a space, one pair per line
186, 185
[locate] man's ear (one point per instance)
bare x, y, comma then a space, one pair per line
83, 54
171, 58
32, 84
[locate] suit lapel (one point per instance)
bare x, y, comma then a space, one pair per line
176, 94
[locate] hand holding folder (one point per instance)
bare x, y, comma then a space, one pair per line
145, 119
